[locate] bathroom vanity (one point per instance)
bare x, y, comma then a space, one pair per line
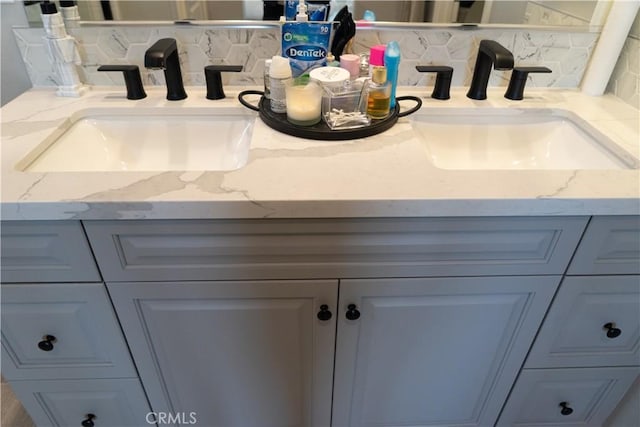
321, 283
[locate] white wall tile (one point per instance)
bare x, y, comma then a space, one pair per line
625, 79
567, 54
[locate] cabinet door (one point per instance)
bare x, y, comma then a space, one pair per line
61, 330
433, 352
594, 321
233, 353
572, 397
113, 403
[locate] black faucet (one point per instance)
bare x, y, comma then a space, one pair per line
164, 55
490, 52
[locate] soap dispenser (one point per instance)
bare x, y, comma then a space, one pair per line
63, 51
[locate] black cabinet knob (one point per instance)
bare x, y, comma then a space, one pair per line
324, 314
47, 343
566, 409
443, 79
88, 421
612, 331
213, 79
352, 312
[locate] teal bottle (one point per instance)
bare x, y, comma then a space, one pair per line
392, 64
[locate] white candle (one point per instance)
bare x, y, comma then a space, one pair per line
304, 104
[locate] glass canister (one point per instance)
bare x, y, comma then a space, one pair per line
345, 106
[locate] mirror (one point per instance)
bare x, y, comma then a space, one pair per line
511, 12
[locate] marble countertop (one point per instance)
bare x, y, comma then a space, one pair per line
387, 175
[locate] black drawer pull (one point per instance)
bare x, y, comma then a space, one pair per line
566, 410
47, 343
352, 312
324, 314
612, 331
88, 422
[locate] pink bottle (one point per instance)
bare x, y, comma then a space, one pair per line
376, 55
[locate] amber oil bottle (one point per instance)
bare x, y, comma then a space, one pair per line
379, 94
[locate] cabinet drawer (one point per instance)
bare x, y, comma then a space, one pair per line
594, 321
46, 251
558, 397
611, 245
114, 403
279, 249
61, 331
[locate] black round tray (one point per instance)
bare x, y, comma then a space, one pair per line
320, 130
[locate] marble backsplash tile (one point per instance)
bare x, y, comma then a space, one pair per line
625, 79
566, 53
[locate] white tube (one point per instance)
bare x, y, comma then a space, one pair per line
70, 16
607, 51
600, 12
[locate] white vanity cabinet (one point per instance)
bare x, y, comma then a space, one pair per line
63, 351
222, 317
587, 353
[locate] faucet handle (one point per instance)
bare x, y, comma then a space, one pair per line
214, 79
132, 79
443, 79
515, 90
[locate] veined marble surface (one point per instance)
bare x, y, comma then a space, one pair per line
385, 175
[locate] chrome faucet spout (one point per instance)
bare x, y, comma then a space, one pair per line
163, 55
490, 54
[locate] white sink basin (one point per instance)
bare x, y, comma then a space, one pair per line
506, 138
145, 139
